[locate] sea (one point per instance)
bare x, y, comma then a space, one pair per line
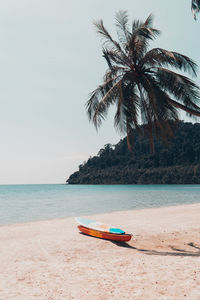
25, 203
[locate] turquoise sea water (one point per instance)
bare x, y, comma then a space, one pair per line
23, 203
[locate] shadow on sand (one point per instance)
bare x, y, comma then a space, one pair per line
176, 251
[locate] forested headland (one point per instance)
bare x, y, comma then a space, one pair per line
176, 163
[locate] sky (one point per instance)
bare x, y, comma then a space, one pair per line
50, 60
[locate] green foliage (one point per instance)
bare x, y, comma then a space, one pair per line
146, 85
178, 163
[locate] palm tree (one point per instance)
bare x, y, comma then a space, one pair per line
140, 84
195, 6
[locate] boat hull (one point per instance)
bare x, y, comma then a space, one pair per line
105, 235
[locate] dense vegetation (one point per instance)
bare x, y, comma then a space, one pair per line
179, 162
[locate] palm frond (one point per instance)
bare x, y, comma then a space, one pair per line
115, 71
116, 57
162, 57
105, 34
145, 29
179, 86
96, 96
127, 113
107, 58
191, 112
149, 21
195, 7
172, 104
119, 119
158, 101
140, 36
185, 63
109, 98
148, 33
158, 112
122, 26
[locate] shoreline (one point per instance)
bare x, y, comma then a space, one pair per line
50, 259
104, 213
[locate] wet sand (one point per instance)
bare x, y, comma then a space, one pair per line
51, 260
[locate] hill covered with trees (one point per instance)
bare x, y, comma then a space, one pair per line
176, 163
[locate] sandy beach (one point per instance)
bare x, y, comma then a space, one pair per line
51, 260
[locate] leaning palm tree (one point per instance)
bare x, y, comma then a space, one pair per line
195, 7
140, 84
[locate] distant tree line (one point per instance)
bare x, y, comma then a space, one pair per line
176, 163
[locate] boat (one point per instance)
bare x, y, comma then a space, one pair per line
92, 224
105, 235
103, 231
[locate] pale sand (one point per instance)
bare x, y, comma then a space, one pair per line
52, 260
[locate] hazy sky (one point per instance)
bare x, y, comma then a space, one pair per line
50, 60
